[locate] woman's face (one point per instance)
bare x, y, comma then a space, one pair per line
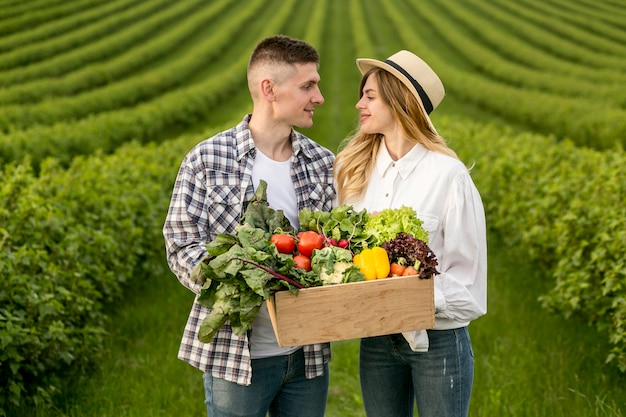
375, 114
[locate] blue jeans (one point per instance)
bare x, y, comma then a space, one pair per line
279, 387
439, 381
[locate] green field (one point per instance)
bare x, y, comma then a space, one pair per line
100, 100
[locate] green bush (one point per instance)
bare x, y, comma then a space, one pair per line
71, 240
566, 205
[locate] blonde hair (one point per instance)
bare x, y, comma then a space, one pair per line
355, 162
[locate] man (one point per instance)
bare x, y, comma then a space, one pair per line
251, 375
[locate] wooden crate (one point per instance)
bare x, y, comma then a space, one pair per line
349, 311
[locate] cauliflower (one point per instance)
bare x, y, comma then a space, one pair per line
337, 275
334, 266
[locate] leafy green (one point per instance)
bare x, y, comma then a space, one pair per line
386, 224
360, 228
242, 270
342, 222
260, 215
238, 280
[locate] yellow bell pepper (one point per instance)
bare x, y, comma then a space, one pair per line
373, 263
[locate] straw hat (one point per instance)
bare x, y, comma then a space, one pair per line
419, 78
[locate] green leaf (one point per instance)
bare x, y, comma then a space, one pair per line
207, 295
260, 215
221, 244
252, 237
210, 326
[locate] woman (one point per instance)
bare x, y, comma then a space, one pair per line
396, 159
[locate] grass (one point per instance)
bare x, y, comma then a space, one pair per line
533, 363
528, 362
139, 375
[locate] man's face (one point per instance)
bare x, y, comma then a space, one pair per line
298, 95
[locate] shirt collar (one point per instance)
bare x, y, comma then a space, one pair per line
404, 165
245, 143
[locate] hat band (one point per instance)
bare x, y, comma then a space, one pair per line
428, 105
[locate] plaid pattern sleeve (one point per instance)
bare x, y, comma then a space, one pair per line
211, 189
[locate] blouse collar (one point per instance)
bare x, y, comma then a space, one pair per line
404, 165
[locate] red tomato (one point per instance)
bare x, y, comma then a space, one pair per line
310, 241
302, 262
284, 243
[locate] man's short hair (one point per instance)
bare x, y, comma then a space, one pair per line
280, 49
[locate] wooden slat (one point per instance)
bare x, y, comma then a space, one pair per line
348, 311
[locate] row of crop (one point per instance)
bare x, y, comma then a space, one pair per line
597, 34
29, 14
82, 37
72, 240
135, 89
505, 31
59, 26
108, 130
138, 46
588, 123
13, 8
566, 205
465, 31
511, 45
542, 34
600, 126
608, 12
315, 23
360, 32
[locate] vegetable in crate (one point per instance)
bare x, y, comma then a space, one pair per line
386, 224
284, 242
373, 263
338, 226
240, 271
259, 214
308, 242
334, 266
405, 249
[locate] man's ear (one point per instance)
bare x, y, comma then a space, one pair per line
267, 90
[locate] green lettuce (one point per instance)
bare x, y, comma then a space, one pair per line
386, 224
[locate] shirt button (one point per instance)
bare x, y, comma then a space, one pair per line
387, 195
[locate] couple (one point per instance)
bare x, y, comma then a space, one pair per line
396, 149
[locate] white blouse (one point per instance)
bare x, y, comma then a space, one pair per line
439, 188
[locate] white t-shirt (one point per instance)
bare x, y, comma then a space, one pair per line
281, 195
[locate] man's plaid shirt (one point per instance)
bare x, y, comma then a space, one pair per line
213, 186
